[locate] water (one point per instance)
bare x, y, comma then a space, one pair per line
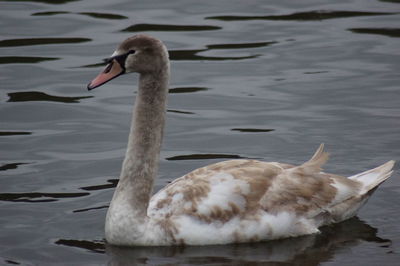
253, 79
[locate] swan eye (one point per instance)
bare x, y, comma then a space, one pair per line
108, 68
131, 51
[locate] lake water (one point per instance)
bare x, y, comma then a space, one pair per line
255, 79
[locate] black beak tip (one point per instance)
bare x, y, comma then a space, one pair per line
89, 88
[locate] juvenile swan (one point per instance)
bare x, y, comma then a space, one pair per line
226, 202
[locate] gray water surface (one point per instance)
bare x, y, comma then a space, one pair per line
250, 79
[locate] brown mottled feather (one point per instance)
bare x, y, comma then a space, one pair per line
273, 187
195, 187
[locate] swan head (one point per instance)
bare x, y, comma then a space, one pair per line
142, 54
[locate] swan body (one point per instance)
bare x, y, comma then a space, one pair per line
227, 202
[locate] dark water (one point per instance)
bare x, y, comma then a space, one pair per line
251, 79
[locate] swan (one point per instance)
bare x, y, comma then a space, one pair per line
226, 202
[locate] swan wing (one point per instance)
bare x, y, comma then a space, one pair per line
221, 191
217, 192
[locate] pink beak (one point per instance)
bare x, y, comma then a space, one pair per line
112, 71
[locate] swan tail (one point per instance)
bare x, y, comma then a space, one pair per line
371, 179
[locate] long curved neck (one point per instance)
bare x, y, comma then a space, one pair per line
140, 166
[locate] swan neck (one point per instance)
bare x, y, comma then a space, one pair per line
142, 156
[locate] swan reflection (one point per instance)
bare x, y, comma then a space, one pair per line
306, 250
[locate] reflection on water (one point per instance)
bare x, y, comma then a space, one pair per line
307, 250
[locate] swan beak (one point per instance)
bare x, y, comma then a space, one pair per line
113, 70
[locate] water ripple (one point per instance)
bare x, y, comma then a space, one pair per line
14, 133
205, 156
391, 1
187, 89
103, 15
40, 41
164, 27
12, 262
89, 14
389, 32
96, 246
252, 130
91, 209
10, 166
25, 59
180, 112
49, 13
304, 16
39, 196
53, 2
192, 55
30, 96
112, 183
240, 45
